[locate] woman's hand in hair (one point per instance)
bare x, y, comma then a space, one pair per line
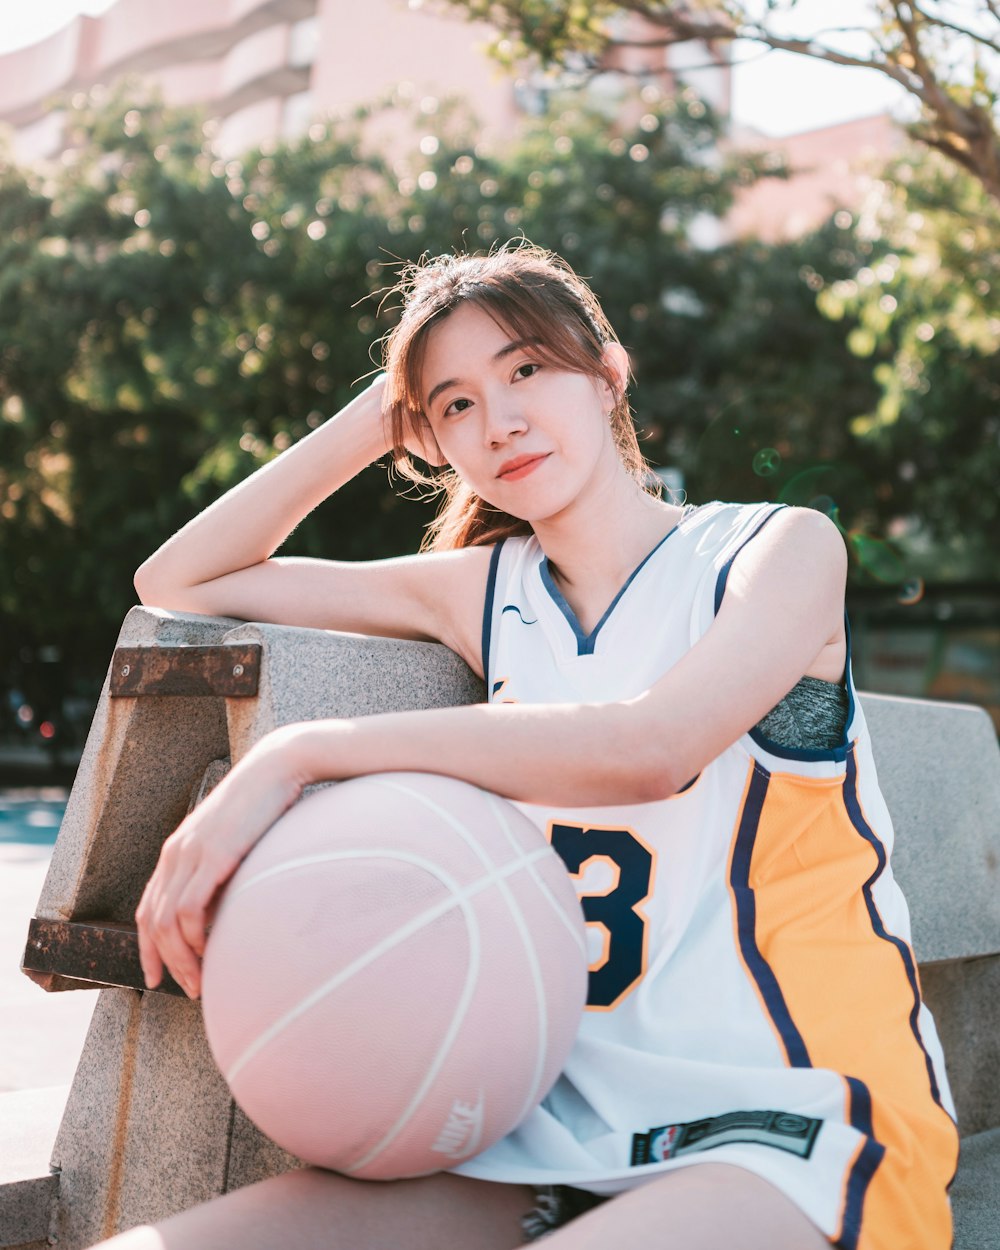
419, 442
423, 444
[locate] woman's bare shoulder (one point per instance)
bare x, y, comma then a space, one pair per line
455, 585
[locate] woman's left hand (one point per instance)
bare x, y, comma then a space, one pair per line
204, 852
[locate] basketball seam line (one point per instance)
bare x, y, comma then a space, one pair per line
496, 807
459, 896
541, 1051
462, 1007
520, 924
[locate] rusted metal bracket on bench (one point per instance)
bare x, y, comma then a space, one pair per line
230, 669
92, 952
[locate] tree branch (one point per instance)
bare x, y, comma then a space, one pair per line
939, 22
966, 32
901, 50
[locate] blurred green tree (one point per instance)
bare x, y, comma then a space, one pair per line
164, 327
169, 320
927, 315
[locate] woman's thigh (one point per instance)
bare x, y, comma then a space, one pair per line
315, 1210
713, 1206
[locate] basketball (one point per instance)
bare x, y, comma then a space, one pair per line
395, 975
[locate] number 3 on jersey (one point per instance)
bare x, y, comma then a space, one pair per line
615, 908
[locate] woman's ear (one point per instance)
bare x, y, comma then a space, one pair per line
616, 357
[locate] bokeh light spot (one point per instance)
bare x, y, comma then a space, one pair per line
911, 591
766, 462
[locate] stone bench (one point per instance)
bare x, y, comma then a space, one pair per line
149, 1127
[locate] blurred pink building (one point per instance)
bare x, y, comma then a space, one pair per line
266, 68
833, 167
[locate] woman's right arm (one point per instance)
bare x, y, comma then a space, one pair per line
221, 563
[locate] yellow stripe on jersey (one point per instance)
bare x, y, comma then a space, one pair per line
842, 994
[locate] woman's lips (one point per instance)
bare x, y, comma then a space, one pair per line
521, 468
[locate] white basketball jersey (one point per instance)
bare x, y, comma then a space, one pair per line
753, 994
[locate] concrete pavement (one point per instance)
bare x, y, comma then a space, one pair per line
41, 1035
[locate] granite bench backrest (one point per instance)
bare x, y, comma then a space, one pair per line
939, 766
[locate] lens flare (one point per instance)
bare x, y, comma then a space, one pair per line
877, 558
824, 487
911, 591
766, 461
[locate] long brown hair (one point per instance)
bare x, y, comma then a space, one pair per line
535, 295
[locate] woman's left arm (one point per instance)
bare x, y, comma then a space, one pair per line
782, 609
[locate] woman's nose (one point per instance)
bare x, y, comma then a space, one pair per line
504, 417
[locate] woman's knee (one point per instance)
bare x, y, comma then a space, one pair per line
706, 1206
312, 1209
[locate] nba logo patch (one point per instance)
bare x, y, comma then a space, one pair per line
780, 1129
655, 1145
661, 1143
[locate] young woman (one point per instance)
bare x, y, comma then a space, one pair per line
669, 697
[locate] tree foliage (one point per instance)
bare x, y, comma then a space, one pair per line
170, 320
926, 313
944, 53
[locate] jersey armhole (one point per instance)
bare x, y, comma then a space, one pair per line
723, 577
491, 584
772, 754
816, 755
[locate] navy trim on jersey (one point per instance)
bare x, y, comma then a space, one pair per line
585, 643
816, 755
849, 678
491, 585
687, 785
857, 818
720, 584
746, 922
865, 1164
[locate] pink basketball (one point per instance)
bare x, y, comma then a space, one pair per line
396, 975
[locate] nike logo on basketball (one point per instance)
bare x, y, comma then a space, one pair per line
460, 1136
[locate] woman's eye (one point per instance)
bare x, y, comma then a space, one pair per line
456, 406
527, 370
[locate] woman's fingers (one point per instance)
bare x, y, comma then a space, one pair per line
196, 904
171, 918
149, 956
184, 942
181, 962
200, 857
162, 945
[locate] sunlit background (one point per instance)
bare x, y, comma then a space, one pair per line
199, 215
197, 222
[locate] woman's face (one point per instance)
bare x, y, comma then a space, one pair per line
526, 436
